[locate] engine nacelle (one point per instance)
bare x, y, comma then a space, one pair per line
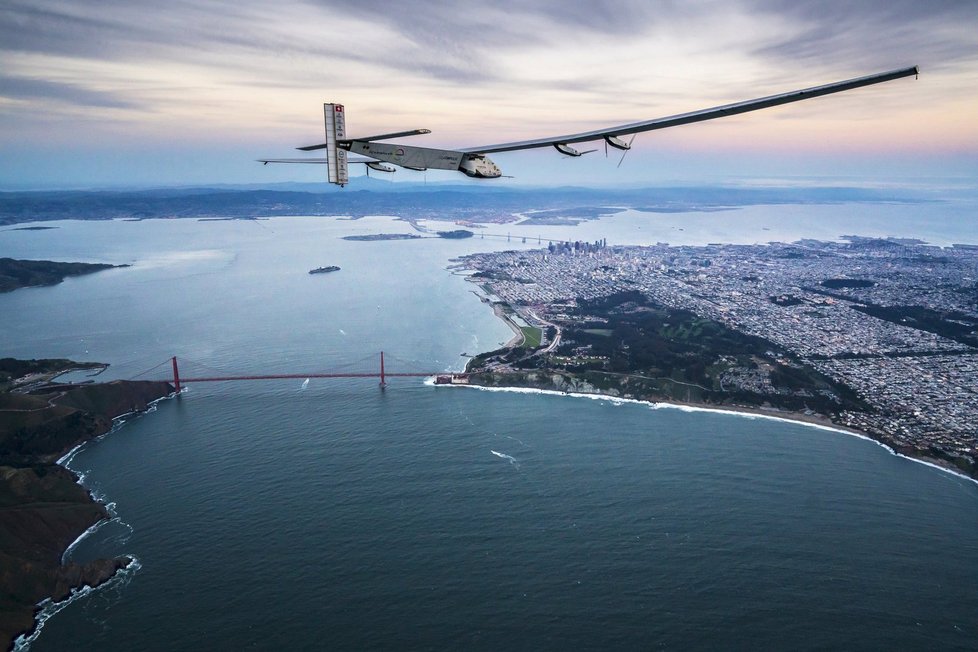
380, 167
479, 166
617, 143
567, 149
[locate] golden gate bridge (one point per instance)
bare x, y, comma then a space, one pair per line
381, 373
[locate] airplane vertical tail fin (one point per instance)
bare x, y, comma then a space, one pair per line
335, 157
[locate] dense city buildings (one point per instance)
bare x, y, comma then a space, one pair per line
893, 321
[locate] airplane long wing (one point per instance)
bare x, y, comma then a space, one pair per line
697, 116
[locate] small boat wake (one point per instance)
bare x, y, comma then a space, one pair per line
512, 460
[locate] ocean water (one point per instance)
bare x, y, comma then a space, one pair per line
334, 515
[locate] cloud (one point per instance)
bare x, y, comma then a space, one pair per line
937, 35
503, 23
455, 42
476, 43
214, 73
33, 27
14, 88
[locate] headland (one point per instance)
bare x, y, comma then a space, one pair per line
43, 509
16, 274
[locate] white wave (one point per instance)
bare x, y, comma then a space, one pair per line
95, 527
614, 400
48, 608
930, 464
117, 422
150, 408
743, 415
65, 459
71, 546
97, 495
305, 383
516, 439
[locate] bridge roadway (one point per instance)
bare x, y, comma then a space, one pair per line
381, 373
214, 379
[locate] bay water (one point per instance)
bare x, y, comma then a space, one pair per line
334, 515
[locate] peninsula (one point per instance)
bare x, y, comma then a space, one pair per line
28, 273
43, 509
781, 329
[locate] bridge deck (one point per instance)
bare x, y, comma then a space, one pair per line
214, 379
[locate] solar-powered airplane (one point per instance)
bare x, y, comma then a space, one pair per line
473, 162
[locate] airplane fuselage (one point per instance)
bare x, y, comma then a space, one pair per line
426, 158
479, 166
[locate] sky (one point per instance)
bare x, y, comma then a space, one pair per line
122, 93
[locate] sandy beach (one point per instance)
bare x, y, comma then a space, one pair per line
517, 338
813, 420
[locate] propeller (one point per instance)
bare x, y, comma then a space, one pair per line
630, 141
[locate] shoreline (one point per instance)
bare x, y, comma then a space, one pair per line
50, 510
518, 336
48, 608
814, 421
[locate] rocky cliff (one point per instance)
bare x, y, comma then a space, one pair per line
43, 509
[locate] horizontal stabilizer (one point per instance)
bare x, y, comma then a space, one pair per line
315, 161
266, 161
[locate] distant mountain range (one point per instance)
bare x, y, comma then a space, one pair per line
413, 201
